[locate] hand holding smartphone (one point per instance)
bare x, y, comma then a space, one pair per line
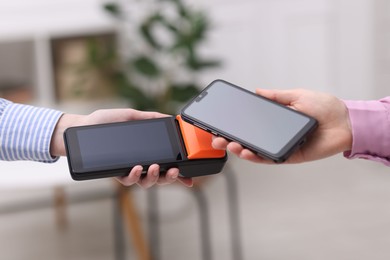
265, 127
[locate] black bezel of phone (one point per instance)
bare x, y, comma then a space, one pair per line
294, 143
187, 167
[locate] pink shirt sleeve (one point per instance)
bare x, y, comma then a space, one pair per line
370, 122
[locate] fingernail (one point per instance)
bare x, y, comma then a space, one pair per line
174, 176
156, 173
139, 171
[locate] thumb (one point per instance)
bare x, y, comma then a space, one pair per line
284, 97
140, 115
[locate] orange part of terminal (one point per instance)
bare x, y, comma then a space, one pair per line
198, 142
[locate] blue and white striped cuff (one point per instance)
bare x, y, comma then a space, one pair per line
26, 131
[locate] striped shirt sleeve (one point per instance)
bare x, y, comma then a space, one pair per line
26, 131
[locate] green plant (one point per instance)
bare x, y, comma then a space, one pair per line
163, 62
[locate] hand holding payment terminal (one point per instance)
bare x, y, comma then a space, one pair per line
108, 150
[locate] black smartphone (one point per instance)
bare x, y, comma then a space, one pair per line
265, 127
108, 150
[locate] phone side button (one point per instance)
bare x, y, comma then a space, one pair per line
199, 126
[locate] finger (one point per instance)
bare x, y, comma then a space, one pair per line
186, 181
245, 154
133, 176
140, 115
235, 148
250, 156
219, 143
151, 177
170, 177
285, 97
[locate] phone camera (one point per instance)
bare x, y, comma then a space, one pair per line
200, 96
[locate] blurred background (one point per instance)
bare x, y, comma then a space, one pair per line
79, 56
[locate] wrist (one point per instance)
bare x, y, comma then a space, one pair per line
57, 146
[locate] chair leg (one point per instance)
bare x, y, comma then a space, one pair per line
60, 207
154, 237
153, 222
204, 223
133, 223
232, 194
119, 237
203, 218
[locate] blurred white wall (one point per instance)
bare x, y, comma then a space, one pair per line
325, 45
328, 45
26, 19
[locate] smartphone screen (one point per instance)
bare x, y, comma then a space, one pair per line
118, 145
265, 127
